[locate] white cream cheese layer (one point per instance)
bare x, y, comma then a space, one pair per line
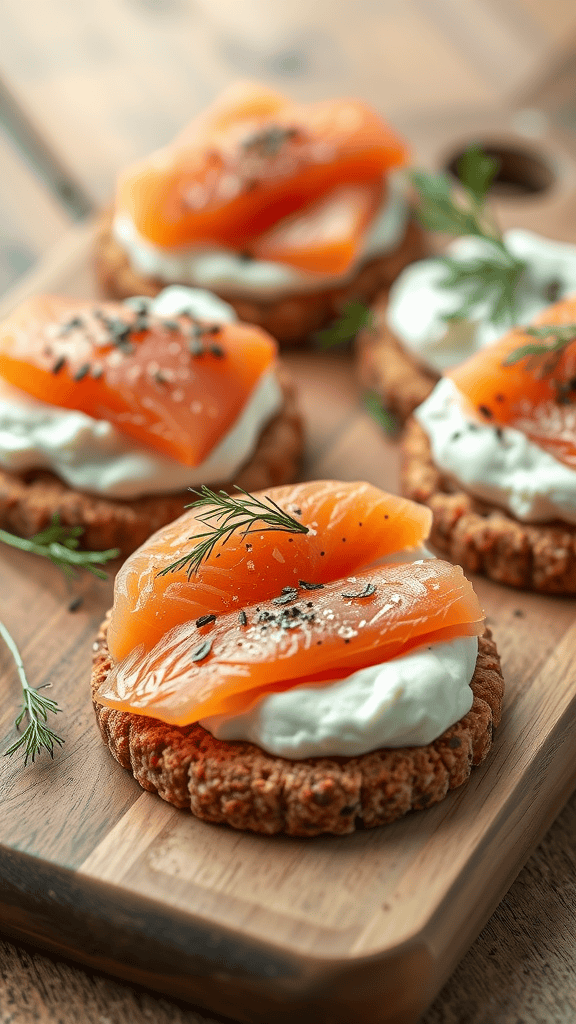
234, 273
91, 455
408, 701
419, 304
501, 466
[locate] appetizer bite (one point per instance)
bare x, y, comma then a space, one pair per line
295, 660
287, 210
443, 309
110, 411
492, 451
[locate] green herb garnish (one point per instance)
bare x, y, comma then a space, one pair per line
491, 279
384, 418
355, 317
542, 359
225, 515
61, 545
35, 707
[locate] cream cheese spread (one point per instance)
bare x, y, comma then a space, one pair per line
419, 304
408, 701
501, 466
232, 272
92, 455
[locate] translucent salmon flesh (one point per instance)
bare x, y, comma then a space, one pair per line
173, 384
534, 392
268, 610
276, 180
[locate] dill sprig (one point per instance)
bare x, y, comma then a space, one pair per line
61, 545
384, 418
543, 358
355, 317
491, 279
224, 515
35, 707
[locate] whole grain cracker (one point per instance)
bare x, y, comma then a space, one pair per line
482, 538
239, 784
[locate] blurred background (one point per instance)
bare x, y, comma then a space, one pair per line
86, 87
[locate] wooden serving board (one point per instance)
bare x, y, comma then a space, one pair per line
358, 928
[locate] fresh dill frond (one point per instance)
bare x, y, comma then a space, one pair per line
542, 358
60, 544
492, 280
384, 418
356, 316
225, 515
37, 735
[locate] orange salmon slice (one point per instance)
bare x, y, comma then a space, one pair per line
535, 394
327, 633
350, 526
173, 384
253, 160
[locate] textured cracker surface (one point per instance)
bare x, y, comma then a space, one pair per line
291, 319
28, 501
484, 539
389, 369
241, 785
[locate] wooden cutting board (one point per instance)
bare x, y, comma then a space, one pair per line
364, 927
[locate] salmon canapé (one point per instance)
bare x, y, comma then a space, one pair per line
270, 607
527, 380
275, 180
175, 384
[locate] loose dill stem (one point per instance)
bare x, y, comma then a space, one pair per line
37, 736
60, 545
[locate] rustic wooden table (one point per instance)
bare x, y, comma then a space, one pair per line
85, 87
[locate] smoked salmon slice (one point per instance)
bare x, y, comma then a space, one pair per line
535, 392
175, 384
266, 611
253, 160
318, 635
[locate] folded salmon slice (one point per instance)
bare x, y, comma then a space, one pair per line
174, 384
253, 160
351, 525
326, 633
536, 393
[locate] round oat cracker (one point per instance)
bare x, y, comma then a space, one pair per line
30, 500
482, 538
239, 784
290, 319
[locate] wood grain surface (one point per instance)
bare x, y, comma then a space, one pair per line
117, 864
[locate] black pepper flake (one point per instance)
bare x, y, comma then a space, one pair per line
82, 372
499, 433
519, 613
59, 364
202, 651
499, 398
456, 435
485, 411
217, 351
297, 511
289, 590
76, 321
76, 603
310, 586
322, 553
369, 589
160, 377
195, 347
242, 617
285, 597
205, 620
